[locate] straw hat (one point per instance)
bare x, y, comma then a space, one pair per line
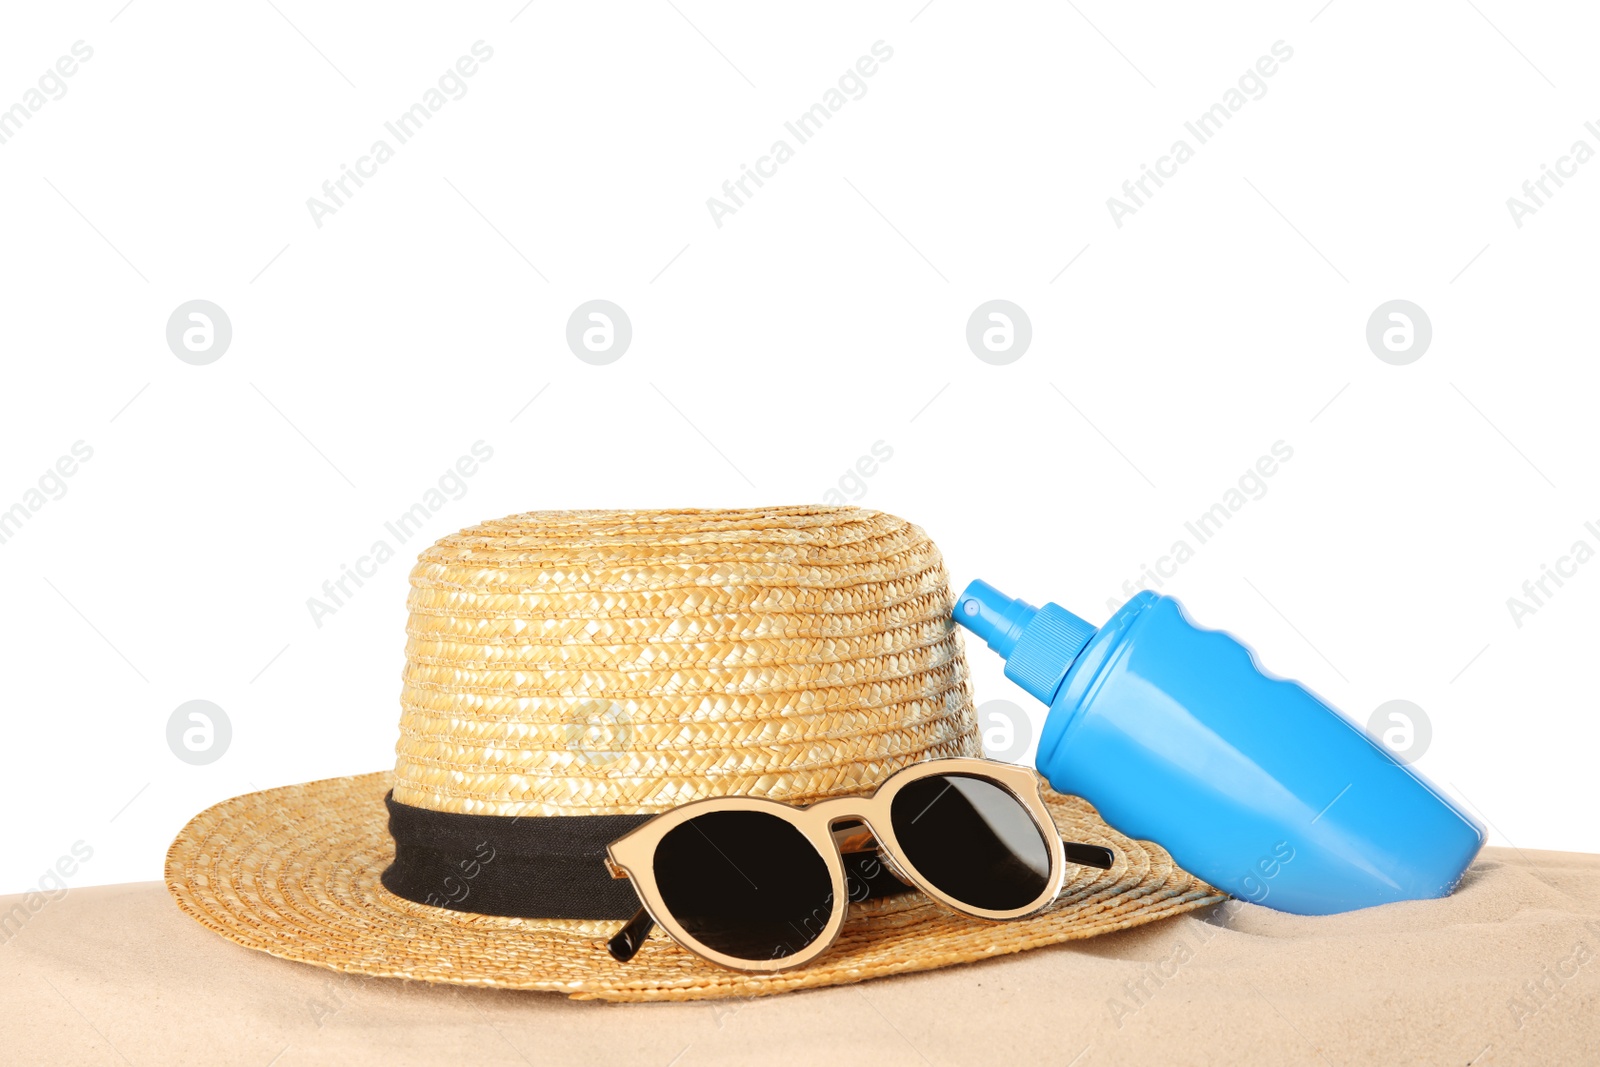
620, 664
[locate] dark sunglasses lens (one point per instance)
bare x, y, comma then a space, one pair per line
744, 883
972, 840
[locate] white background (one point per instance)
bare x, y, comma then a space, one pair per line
827, 314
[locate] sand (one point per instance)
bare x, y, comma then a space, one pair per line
1505, 971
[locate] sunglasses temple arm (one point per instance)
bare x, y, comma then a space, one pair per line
1089, 855
625, 944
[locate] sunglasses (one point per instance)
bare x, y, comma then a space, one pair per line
758, 885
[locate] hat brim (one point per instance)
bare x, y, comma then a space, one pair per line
294, 872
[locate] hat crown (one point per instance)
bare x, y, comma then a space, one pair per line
607, 662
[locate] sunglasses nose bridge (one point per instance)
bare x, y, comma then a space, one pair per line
857, 836
832, 811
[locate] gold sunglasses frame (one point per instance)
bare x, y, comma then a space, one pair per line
632, 856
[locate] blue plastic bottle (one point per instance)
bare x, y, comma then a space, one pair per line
1177, 736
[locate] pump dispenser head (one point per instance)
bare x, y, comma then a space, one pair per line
1038, 644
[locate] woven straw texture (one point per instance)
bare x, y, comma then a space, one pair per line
294, 872
584, 663
587, 663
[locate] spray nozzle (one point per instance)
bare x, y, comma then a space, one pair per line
993, 616
1039, 644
